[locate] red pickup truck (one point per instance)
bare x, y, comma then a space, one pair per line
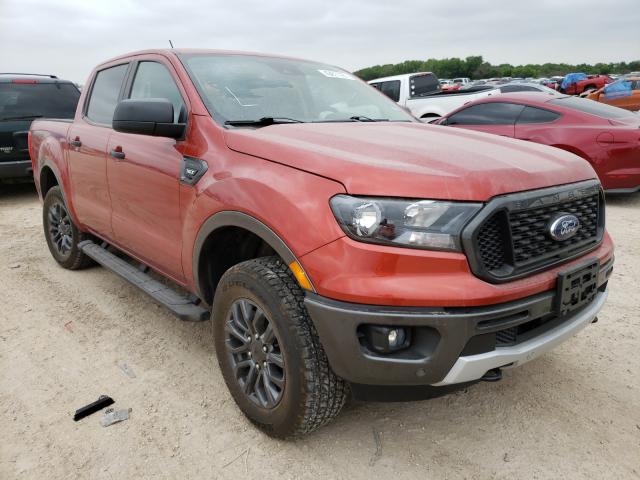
338, 244
584, 83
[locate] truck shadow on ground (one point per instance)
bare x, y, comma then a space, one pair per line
17, 191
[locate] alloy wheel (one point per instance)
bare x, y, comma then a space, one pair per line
60, 228
256, 358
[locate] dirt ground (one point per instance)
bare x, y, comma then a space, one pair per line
573, 413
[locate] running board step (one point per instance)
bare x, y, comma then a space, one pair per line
179, 304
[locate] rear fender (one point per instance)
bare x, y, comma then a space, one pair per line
48, 150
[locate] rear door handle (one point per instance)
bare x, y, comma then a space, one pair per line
118, 154
75, 142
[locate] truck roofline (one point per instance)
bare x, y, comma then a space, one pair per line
398, 77
168, 52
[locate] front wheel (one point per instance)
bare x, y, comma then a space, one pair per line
269, 352
61, 233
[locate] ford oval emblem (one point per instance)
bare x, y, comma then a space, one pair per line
564, 227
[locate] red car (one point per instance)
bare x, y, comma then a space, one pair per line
607, 137
586, 84
337, 243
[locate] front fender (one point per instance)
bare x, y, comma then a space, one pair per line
288, 208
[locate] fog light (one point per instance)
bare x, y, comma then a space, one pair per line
396, 337
382, 339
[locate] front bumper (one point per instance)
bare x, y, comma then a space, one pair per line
16, 169
472, 367
449, 345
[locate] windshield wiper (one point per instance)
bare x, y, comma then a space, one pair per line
21, 117
362, 118
262, 122
355, 118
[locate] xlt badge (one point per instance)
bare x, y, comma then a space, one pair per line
192, 170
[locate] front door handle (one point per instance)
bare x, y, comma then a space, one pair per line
75, 142
117, 153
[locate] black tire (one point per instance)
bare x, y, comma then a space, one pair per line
311, 394
61, 233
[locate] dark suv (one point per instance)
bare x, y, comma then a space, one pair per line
24, 97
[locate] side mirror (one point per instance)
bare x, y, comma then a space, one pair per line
149, 116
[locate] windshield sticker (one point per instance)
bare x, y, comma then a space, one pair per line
334, 74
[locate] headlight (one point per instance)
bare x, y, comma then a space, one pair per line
427, 224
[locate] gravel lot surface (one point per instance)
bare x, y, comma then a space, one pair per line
573, 413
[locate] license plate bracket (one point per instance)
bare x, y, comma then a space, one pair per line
577, 287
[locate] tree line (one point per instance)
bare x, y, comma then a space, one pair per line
476, 67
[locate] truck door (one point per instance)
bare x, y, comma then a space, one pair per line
143, 173
87, 139
498, 118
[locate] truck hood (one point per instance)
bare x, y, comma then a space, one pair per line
412, 159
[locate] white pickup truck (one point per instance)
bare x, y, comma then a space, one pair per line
422, 95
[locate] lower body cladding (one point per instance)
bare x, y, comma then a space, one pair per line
391, 352
16, 169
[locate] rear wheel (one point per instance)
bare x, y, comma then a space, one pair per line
61, 233
269, 352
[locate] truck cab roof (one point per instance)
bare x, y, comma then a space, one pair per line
399, 77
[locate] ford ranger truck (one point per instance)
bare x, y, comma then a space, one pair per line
337, 244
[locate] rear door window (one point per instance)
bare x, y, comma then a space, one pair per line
391, 89
105, 94
537, 115
423, 85
494, 113
24, 100
153, 80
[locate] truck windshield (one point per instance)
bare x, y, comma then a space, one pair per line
32, 100
239, 88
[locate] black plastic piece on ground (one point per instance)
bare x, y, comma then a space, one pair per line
179, 304
102, 402
494, 375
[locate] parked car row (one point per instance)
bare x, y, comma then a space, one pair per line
605, 136
425, 97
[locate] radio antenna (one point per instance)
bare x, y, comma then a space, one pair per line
171, 43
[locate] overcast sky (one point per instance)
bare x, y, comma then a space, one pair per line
69, 37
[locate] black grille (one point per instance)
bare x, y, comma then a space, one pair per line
491, 243
528, 228
506, 337
512, 237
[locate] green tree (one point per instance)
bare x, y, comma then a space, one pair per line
475, 67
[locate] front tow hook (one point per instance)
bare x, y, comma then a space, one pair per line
494, 375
